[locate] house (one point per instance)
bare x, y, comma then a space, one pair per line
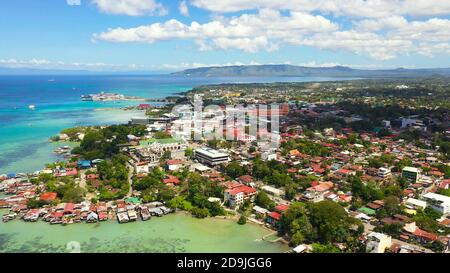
236, 196
141, 167
281, 208
48, 196
173, 180
378, 242
245, 179
262, 212
345, 172
273, 219
69, 208
92, 217
174, 164
273, 191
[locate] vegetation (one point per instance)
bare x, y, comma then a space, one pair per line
325, 222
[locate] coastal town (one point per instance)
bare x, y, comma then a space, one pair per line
361, 166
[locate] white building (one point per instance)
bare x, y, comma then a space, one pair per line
438, 202
378, 242
384, 172
211, 157
272, 190
410, 173
415, 203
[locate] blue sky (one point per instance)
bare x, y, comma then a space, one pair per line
159, 35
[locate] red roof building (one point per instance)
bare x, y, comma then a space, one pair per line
171, 180
48, 196
281, 208
275, 215
237, 195
69, 208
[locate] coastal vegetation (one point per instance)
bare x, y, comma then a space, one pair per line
324, 222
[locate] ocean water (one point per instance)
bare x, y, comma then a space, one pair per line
174, 233
24, 133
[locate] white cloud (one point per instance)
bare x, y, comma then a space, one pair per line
183, 8
131, 7
73, 2
354, 8
248, 32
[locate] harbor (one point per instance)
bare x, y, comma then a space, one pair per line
173, 233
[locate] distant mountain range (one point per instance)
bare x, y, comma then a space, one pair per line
302, 71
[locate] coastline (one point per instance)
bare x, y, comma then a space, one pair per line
177, 232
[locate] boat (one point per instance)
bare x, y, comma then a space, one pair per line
87, 98
31, 107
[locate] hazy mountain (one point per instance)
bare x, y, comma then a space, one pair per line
301, 71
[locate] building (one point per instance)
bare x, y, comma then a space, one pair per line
384, 172
415, 203
378, 242
152, 151
84, 164
410, 173
272, 191
438, 202
141, 167
237, 195
211, 157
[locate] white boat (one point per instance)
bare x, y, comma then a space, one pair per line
31, 106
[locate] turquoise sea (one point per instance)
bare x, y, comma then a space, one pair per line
174, 233
24, 133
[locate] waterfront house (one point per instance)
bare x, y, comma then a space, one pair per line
92, 217
273, 219
260, 212
69, 208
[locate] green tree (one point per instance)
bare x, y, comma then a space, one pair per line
242, 220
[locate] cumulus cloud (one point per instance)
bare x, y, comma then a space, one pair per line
248, 32
356, 8
380, 29
131, 7
183, 8
73, 2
